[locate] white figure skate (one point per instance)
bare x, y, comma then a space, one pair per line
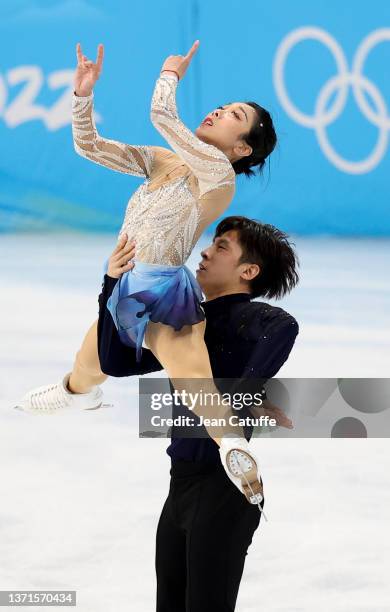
55, 399
241, 467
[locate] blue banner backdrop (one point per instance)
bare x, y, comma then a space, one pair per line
321, 69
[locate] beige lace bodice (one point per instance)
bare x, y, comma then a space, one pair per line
184, 189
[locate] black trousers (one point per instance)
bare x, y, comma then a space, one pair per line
203, 535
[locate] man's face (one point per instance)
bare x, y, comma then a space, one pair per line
219, 269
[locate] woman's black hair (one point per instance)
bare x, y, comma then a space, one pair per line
269, 248
262, 138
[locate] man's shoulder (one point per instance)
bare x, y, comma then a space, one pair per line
269, 311
263, 316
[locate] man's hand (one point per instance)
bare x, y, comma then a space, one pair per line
180, 63
268, 409
118, 262
87, 72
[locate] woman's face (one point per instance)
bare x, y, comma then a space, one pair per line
225, 128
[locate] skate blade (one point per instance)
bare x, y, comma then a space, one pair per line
254, 492
56, 412
252, 487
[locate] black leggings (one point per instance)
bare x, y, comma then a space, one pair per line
203, 535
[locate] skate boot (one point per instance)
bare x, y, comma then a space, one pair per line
57, 399
241, 467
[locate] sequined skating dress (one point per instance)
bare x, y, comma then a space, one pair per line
184, 191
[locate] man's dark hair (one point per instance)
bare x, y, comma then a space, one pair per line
262, 138
269, 248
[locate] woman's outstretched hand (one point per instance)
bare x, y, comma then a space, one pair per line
87, 72
180, 63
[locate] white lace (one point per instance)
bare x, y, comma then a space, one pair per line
51, 398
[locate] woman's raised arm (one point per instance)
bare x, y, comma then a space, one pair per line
128, 159
210, 165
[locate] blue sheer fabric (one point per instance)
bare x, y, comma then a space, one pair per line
152, 292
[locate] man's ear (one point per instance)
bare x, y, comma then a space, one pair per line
242, 149
250, 272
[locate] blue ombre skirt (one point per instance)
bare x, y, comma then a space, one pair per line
153, 292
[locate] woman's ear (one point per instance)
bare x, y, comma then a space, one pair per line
242, 149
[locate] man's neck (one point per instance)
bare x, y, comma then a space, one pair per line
210, 295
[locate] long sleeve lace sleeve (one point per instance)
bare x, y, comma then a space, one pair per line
211, 167
129, 159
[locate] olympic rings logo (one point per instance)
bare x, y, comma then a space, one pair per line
340, 84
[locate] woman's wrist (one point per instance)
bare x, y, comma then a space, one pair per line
82, 95
171, 72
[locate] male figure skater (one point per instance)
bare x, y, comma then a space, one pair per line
206, 524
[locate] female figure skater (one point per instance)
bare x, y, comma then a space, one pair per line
158, 301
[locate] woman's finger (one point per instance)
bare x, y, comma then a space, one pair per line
121, 242
192, 51
128, 266
99, 58
128, 247
124, 253
123, 259
79, 53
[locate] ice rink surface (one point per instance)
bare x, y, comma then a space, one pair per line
76, 512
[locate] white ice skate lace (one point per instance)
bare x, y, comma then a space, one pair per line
237, 457
49, 399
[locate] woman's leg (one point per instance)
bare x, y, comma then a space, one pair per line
185, 358
86, 371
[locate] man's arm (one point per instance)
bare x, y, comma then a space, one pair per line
272, 350
269, 354
117, 359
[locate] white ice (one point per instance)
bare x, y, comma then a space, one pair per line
76, 512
